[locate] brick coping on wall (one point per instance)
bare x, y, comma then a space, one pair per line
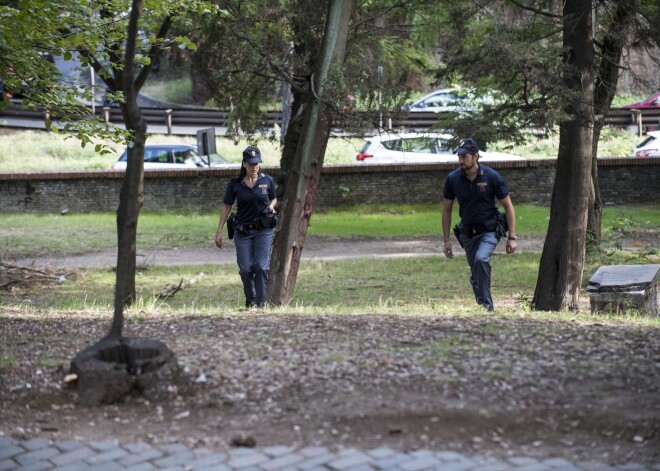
334, 169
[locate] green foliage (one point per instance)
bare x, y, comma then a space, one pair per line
36, 29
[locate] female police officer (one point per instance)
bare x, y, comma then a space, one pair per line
254, 193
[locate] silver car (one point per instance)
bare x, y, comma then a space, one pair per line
449, 99
175, 157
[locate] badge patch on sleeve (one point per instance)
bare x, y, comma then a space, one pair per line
482, 186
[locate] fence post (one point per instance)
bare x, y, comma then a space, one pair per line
168, 118
106, 116
637, 119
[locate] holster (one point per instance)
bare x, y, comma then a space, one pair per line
231, 225
501, 225
266, 222
458, 230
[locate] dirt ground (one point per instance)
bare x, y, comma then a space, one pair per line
583, 388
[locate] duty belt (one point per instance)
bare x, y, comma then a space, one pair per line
246, 227
473, 230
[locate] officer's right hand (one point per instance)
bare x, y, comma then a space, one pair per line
218, 239
449, 253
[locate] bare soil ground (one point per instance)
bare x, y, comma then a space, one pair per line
582, 389
585, 388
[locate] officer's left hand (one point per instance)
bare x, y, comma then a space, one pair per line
511, 246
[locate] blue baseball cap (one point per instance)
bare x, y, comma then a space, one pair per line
468, 145
251, 155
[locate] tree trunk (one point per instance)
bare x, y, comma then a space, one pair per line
131, 195
562, 261
607, 77
303, 178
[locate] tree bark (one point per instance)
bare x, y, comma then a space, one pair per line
303, 178
131, 195
562, 261
607, 77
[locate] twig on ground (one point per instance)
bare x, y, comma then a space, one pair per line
12, 274
170, 290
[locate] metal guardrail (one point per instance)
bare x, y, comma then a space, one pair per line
641, 120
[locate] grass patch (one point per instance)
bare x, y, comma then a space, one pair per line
419, 285
25, 235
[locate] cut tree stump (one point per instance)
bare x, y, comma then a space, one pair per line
112, 369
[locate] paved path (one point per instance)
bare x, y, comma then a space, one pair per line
41, 454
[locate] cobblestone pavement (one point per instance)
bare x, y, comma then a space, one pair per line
42, 454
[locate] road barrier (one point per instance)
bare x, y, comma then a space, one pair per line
639, 120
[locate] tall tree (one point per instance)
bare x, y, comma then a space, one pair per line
121, 40
285, 42
124, 63
306, 170
516, 48
614, 24
560, 271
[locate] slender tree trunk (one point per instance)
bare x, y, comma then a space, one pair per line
303, 179
607, 77
562, 261
131, 195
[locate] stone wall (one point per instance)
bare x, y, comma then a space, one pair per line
622, 180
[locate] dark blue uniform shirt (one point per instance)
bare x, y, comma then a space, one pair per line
476, 198
250, 201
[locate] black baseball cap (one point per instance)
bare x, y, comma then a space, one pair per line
468, 145
252, 155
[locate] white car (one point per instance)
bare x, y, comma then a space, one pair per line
418, 148
448, 99
649, 147
174, 157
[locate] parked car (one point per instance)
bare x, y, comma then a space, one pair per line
448, 99
417, 148
653, 102
174, 157
649, 147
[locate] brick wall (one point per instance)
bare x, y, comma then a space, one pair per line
622, 180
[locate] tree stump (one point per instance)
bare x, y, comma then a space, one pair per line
114, 368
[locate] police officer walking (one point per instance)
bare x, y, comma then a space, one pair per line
476, 187
253, 225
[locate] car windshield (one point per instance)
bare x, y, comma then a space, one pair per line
182, 156
216, 159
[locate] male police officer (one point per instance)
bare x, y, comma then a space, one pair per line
476, 187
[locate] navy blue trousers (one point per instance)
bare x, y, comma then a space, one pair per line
253, 257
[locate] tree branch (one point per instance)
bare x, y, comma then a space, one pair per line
535, 10
154, 52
